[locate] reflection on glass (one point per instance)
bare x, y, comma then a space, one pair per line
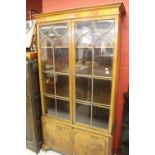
94, 33
102, 91
54, 39
100, 117
48, 83
55, 63
54, 35
62, 85
47, 59
82, 36
61, 60
83, 113
103, 62
61, 42
45, 40
83, 61
83, 88
94, 38
63, 109
50, 104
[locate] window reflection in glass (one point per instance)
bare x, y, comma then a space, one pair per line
94, 38
54, 35
83, 61
102, 62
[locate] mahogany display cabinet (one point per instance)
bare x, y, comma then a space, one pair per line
78, 70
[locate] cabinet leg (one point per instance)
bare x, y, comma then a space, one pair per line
45, 148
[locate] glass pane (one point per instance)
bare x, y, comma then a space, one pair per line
54, 35
83, 88
60, 34
61, 41
47, 59
94, 33
83, 61
82, 38
62, 85
103, 62
100, 117
61, 59
63, 109
83, 48
103, 52
83, 113
50, 105
48, 83
94, 38
45, 37
102, 91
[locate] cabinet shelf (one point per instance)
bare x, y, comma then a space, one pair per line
94, 76
56, 97
61, 73
93, 103
48, 71
94, 47
57, 47
52, 72
106, 106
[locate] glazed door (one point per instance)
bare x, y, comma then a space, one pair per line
93, 63
55, 70
76, 65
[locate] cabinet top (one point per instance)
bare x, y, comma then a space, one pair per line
100, 10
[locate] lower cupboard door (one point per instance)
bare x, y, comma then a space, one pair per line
57, 136
86, 143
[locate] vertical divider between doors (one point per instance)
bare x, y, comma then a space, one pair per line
92, 87
53, 51
71, 67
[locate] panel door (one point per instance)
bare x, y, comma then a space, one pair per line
57, 135
55, 70
93, 63
86, 143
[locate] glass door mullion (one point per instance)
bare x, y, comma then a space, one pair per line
92, 91
54, 80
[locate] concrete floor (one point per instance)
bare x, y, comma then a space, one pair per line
50, 152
